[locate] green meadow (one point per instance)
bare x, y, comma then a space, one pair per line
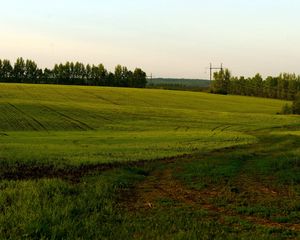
119, 163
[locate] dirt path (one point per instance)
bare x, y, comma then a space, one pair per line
162, 185
75, 173
72, 173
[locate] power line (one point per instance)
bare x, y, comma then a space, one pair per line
211, 68
150, 77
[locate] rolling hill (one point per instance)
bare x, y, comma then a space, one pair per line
119, 163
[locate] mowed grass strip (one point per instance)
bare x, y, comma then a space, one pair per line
81, 148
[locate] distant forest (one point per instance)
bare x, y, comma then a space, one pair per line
27, 71
285, 86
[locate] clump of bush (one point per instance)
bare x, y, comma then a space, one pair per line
296, 104
287, 109
292, 109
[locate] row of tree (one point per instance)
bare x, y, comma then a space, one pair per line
27, 71
285, 86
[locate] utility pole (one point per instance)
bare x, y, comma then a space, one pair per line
150, 77
211, 68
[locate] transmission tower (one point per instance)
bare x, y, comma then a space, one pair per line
211, 69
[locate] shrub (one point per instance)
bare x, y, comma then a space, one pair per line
287, 109
296, 104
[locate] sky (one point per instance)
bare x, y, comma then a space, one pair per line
168, 38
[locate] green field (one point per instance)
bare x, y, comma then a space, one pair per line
118, 163
177, 83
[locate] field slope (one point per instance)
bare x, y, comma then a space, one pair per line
56, 142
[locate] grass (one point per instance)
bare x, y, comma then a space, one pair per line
259, 180
232, 167
68, 125
58, 210
83, 148
54, 208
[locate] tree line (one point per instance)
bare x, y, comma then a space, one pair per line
70, 73
286, 86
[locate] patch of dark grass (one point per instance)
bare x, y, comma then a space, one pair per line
260, 180
281, 233
55, 209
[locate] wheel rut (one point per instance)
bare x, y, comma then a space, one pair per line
161, 184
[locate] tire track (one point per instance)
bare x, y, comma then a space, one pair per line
79, 124
72, 173
222, 128
161, 184
30, 117
24, 172
100, 97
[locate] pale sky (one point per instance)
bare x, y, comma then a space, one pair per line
168, 38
